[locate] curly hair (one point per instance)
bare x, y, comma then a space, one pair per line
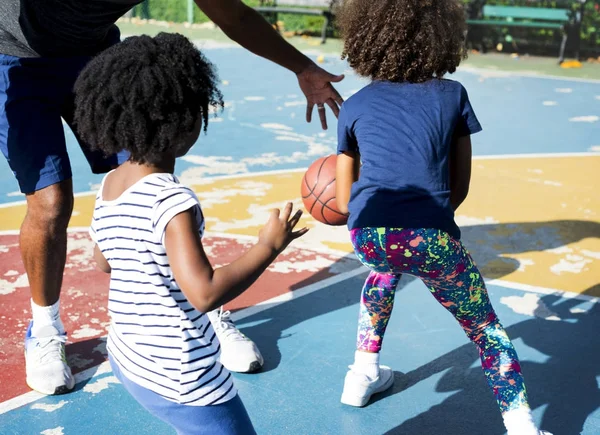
402, 40
144, 95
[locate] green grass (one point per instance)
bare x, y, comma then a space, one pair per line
491, 61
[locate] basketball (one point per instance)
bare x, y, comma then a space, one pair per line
318, 192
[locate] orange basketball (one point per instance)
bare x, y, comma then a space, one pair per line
318, 192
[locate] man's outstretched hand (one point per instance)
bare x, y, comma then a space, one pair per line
315, 82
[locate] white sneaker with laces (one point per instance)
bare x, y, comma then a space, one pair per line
45, 362
238, 353
358, 388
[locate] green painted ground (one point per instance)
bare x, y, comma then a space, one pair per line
494, 61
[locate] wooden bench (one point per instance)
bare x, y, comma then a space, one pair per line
529, 17
320, 8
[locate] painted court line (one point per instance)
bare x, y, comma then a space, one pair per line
104, 367
298, 244
208, 180
32, 396
496, 73
541, 290
536, 156
341, 254
289, 296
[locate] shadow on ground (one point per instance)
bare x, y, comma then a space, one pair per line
565, 383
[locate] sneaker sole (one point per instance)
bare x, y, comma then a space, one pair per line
254, 367
360, 401
63, 389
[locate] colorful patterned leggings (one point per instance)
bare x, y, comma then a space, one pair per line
447, 269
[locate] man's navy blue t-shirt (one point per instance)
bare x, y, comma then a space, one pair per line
404, 133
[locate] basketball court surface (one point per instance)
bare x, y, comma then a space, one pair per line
531, 222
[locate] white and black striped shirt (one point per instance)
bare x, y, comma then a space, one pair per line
157, 337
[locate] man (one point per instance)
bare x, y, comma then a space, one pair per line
43, 45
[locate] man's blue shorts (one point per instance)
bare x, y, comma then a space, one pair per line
35, 93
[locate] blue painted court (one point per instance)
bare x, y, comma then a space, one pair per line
532, 223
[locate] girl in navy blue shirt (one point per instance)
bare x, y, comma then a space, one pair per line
409, 133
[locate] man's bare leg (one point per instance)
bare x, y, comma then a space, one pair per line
43, 242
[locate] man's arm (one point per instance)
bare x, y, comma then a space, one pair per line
249, 29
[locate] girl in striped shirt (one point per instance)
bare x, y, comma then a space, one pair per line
151, 97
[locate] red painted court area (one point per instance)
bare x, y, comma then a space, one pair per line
85, 292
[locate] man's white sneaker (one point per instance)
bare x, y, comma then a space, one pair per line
238, 353
45, 362
358, 388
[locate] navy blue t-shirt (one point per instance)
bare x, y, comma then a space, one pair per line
404, 133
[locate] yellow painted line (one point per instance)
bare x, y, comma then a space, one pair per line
534, 221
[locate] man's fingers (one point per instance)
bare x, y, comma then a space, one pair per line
322, 115
334, 107
336, 79
309, 111
338, 98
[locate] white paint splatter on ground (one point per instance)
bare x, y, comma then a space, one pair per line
49, 407
213, 165
294, 103
7, 287
465, 221
249, 188
559, 250
209, 44
259, 215
101, 347
75, 293
550, 103
523, 263
594, 255
563, 90
56, 431
210, 165
320, 235
80, 252
578, 310
289, 138
86, 331
100, 385
546, 182
530, 305
570, 264
588, 118
276, 126
301, 265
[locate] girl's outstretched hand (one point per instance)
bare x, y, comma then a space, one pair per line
279, 232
